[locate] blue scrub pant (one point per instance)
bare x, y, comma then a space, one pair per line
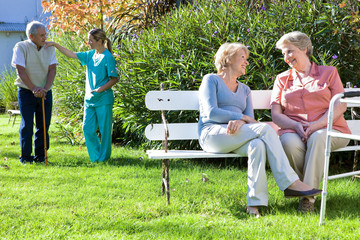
31, 106
94, 118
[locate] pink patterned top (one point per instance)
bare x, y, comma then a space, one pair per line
308, 99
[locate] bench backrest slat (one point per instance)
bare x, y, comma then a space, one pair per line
172, 100
354, 126
177, 131
189, 100
354, 101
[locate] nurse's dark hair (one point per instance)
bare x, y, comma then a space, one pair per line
99, 34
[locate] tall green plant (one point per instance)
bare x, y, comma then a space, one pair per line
69, 90
179, 50
8, 91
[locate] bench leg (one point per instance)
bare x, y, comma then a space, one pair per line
14, 120
9, 118
355, 163
166, 179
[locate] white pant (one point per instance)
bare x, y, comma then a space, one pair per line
308, 158
259, 142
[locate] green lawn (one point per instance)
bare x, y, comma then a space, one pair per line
121, 199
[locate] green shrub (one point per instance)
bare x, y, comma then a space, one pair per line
179, 50
69, 90
8, 90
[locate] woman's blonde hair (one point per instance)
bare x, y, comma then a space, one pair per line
226, 52
299, 40
99, 34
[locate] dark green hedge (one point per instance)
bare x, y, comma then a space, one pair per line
179, 51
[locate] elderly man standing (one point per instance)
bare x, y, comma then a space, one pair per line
36, 70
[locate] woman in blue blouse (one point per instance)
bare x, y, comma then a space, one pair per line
227, 124
101, 75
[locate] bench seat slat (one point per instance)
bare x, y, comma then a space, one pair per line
13, 112
180, 154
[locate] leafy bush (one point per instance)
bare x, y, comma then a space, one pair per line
119, 18
69, 91
8, 91
179, 50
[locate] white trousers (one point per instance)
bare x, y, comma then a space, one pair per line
259, 142
308, 158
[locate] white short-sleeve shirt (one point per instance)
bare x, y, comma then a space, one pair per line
19, 58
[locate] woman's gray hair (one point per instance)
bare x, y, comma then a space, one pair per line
226, 52
299, 40
32, 28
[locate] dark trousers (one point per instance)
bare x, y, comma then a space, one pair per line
31, 106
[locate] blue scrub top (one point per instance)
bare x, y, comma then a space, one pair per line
99, 69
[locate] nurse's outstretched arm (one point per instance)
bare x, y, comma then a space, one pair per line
63, 50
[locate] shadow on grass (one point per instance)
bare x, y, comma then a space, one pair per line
10, 136
341, 206
74, 160
13, 154
218, 163
337, 207
130, 157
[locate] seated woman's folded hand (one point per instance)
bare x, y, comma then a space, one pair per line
234, 126
249, 119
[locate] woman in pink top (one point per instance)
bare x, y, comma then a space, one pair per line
299, 106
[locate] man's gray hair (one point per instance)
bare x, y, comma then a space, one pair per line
32, 28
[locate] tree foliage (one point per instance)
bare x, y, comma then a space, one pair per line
179, 51
80, 16
117, 17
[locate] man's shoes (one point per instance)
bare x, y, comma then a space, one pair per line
26, 160
293, 193
40, 160
305, 206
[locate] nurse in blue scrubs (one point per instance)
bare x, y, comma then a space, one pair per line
101, 75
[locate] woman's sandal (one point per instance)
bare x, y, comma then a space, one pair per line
253, 213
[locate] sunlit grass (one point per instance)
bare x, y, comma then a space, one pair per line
121, 199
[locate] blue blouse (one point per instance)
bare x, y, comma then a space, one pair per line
219, 105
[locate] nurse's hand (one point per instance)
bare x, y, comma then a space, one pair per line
49, 44
98, 90
234, 126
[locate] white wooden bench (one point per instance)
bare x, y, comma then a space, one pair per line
13, 113
188, 100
